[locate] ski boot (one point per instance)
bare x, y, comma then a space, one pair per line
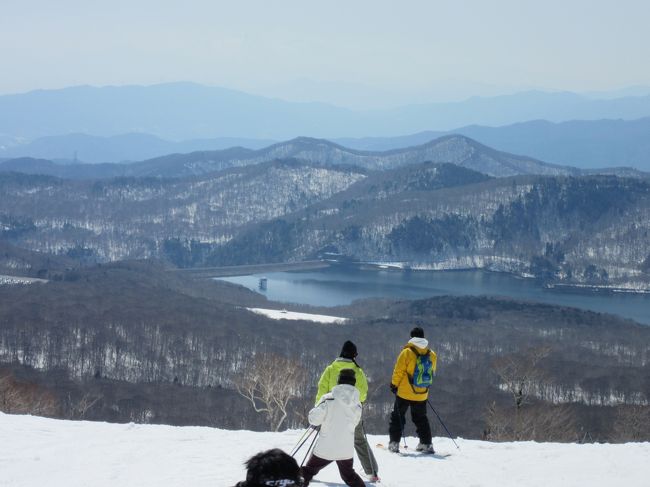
425, 448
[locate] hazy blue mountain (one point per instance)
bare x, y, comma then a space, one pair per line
520, 107
175, 111
45, 167
635, 90
181, 111
118, 148
584, 144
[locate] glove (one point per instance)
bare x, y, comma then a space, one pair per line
393, 388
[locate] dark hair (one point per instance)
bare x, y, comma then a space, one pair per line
347, 376
272, 468
417, 332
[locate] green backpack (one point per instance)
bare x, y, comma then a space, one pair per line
423, 372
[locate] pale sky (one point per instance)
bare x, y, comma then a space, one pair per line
300, 48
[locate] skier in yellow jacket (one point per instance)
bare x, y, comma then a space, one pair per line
408, 394
329, 380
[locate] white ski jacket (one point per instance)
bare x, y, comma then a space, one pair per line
337, 414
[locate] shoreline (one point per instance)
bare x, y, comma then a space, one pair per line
577, 288
252, 269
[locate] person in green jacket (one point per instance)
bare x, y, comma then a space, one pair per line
328, 380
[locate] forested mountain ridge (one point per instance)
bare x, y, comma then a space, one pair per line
575, 230
137, 218
583, 144
455, 149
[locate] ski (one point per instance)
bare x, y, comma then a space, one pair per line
413, 453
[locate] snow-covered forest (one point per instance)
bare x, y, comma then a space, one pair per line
132, 342
564, 230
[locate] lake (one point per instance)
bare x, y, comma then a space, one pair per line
338, 285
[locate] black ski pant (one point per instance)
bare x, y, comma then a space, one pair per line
316, 464
418, 415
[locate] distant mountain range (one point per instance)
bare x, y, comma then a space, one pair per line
83, 148
182, 111
456, 149
584, 144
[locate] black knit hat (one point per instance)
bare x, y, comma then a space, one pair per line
417, 332
346, 376
349, 350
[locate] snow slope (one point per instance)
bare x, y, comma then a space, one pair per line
38, 452
283, 314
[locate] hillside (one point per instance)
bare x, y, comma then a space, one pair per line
576, 230
570, 230
16, 261
457, 150
133, 342
136, 218
37, 451
454, 149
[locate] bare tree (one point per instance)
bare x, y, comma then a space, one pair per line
8, 393
269, 384
539, 422
25, 398
521, 375
79, 408
632, 423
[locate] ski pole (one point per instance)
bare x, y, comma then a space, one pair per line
402, 420
317, 430
443, 424
301, 437
302, 441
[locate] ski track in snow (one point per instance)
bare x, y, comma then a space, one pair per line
38, 452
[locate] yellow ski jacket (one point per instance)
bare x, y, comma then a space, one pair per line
405, 366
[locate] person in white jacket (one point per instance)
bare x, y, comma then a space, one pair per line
337, 414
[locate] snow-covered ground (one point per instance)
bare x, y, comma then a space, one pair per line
38, 452
18, 280
283, 314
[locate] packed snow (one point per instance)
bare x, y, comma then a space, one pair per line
12, 280
283, 314
45, 452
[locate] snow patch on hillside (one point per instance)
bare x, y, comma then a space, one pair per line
45, 452
283, 314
